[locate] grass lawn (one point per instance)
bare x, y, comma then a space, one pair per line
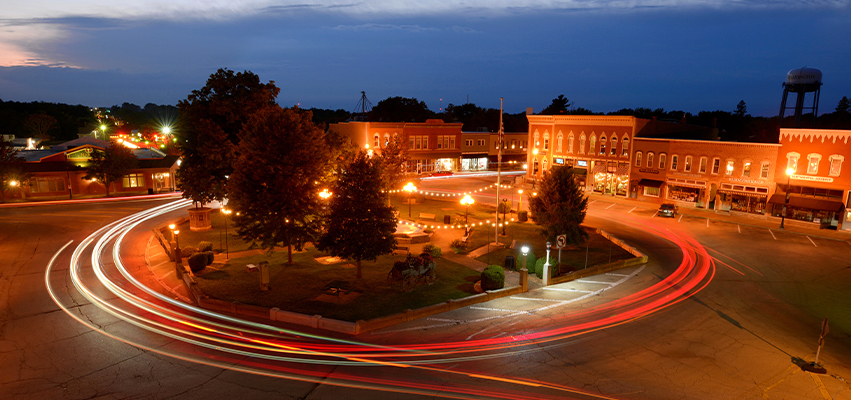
297, 287
599, 249
216, 236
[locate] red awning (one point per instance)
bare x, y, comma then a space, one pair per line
811, 203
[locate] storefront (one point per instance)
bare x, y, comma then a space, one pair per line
686, 191
650, 187
474, 161
825, 211
610, 177
741, 198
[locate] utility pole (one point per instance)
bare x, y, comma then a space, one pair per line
498, 170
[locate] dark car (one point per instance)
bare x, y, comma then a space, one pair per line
667, 210
441, 173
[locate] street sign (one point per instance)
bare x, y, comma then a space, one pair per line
561, 241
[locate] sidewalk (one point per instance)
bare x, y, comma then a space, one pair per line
81, 199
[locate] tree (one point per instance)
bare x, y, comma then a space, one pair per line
361, 223
284, 160
559, 106
398, 109
11, 168
39, 125
210, 121
391, 163
560, 206
844, 106
110, 165
741, 109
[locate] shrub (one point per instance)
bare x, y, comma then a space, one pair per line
187, 252
458, 246
493, 277
539, 268
530, 262
428, 230
210, 256
433, 250
198, 262
205, 246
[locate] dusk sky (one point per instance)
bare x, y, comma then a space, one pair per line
602, 55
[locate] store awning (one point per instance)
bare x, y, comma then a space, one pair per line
598, 168
474, 153
650, 183
580, 171
741, 193
693, 184
623, 170
808, 202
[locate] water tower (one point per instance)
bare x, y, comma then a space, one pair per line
801, 81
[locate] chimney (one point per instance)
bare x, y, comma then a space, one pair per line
529, 111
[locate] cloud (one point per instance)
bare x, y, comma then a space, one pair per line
407, 28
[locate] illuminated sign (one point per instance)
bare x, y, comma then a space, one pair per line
648, 170
581, 163
812, 178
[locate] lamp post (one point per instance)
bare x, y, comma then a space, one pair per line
410, 188
789, 172
547, 266
226, 212
504, 221
520, 203
466, 201
524, 273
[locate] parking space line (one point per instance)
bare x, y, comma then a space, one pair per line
707, 222
496, 309
740, 228
613, 204
681, 218
443, 319
597, 282
568, 290
772, 234
811, 241
623, 275
630, 211
535, 299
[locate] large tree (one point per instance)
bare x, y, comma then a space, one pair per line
400, 109
11, 168
560, 206
559, 106
39, 125
391, 162
361, 223
284, 160
210, 121
110, 165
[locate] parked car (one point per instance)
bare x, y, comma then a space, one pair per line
441, 173
667, 210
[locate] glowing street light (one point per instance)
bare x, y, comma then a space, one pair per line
226, 212
166, 130
410, 188
520, 205
789, 172
525, 251
325, 194
466, 201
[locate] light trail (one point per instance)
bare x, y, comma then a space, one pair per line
258, 348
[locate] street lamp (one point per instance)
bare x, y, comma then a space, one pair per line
789, 172
226, 212
466, 201
520, 206
504, 221
410, 188
525, 251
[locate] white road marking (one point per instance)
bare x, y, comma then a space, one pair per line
622, 275
740, 228
494, 309
631, 210
597, 282
654, 214
443, 319
160, 264
536, 299
592, 202
772, 234
681, 218
613, 204
811, 241
707, 222
568, 290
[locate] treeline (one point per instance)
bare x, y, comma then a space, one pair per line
54, 121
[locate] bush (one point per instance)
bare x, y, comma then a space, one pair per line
458, 246
530, 262
187, 252
433, 250
198, 262
539, 268
210, 256
205, 246
428, 230
493, 277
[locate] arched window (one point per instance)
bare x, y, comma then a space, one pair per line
592, 144
662, 160
746, 168
603, 144
650, 160
537, 139
570, 143
545, 165
546, 141
625, 147
386, 139
614, 150
688, 164
559, 142
813, 160
376, 141
582, 144
674, 162
638, 159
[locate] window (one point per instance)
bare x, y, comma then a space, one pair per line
468, 142
545, 164
625, 147
559, 143
592, 145
730, 166
674, 161
513, 143
812, 163
603, 144
582, 144
651, 191
546, 141
425, 142
42, 185
376, 141
792, 161
637, 158
835, 164
763, 173
649, 160
746, 168
537, 139
662, 160
481, 142
411, 142
419, 142
716, 165
133, 180
614, 145
386, 139
703, 161
439, 144
688, 164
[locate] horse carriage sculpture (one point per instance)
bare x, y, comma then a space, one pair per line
412, 271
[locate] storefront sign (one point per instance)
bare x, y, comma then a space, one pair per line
686, 175
812, 178
745, 181
648, 171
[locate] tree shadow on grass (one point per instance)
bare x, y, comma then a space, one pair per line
214, 275
469, 285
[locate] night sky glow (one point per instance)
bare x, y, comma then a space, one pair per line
603, 55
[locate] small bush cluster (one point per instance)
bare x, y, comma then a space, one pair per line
530, 262
205, 246
198, 262
458, 246
433, 250
539, 268
493, 277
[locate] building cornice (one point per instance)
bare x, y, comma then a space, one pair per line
813, 135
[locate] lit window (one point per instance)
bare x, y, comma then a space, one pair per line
649, 160
703, 161
537, 139
376, 141
730, 166
763, 173
812, 163
133, 180
559, 142
662, 160
746, 169
688, 164
638, 159
582, 144
592, 145
570, 143
792, 161
836, 164
625, 146
603, 145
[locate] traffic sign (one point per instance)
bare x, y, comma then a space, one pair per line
561, 241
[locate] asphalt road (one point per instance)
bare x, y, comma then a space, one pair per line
740, 337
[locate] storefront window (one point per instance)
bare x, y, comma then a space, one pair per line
651, 191
683, 193
743, 203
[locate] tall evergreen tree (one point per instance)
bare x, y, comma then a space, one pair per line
110, 165
844, 105
559, 106
560, 206
361, 223
284, 161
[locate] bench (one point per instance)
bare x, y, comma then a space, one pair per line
427, 216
